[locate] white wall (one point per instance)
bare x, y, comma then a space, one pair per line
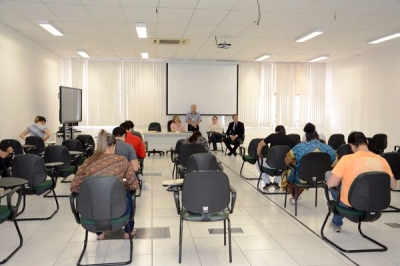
364, 95
30, 77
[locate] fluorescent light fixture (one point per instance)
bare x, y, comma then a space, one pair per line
145, 55
308, 36
82, 53
263, 57
141, 29
319, 58
383, 39
47, 26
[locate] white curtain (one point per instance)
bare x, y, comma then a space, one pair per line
290, 94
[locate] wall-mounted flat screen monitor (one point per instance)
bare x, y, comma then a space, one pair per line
70, 105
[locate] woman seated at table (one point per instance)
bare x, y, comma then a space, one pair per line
197, 138
214, 132
176, 125
105, 163
38, 129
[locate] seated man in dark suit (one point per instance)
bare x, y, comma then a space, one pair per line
234, 135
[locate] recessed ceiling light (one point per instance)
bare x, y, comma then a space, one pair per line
319, 58
47, 26
141, 29
263, 57
383, 39
145, 55
308, 36
82, 53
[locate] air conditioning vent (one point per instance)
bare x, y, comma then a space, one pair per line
171, 41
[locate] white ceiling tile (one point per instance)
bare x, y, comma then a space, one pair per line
240, 18
178, 4
106, 13
69, 2
101, 2
32, 10
172, 30
112, 27
174, 15
329, 6
367, 6
139, 3
7, 11
140, 14
228, 31
202, 16
78, 27
221, 4
21, 24
199, 30
292, 6
70, 12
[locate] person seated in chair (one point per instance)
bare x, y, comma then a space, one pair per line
214, 132
197, 138
311, 127
105, 163
234, 135
135, 141
136, 133
277, 138
295, 155
349, 167
38, 129
176, 125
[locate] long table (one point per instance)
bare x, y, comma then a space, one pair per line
163, 140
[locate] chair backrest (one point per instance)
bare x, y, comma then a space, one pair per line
88, 140
188, 150
15, 144
343, 149
295, 137
154, 126
178, 146
73, 145
393, 159
371, 145
38, 142
380, 142
313, 166
137, 133
57, 153
205, 191
102, 207
202, 161
252, 148
370, 192
29, 167
335, 140
276, 156
169, 125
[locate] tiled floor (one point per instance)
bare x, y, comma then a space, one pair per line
271, 234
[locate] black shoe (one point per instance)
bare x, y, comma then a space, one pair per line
230, 153
234, 153
274, 184
267, 186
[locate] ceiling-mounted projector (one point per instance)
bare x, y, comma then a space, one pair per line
223, 45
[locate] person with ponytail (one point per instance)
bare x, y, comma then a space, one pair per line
104, 162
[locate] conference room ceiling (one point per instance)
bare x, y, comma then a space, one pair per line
106, 28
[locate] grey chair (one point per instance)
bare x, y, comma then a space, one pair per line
175, 156
7, 162
276, 164
31, 168
335, 140
88, 144
75, 145
343, 149
185, 152
393, 159
251, 156
155, 126
101, 212
295, 137
8, 213
313, 167
369, 194
380, 142
203, 161
202, 202
38, 144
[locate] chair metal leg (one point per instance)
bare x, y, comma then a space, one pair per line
393, 209
316, 195
240, 173
180, 239
230, 240
284, 205
295, 200
383, 247
224, 232
21, 241
39, 219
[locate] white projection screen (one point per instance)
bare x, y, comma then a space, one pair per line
213, 87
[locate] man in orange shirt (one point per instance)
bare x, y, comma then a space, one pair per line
135, 141
349, 167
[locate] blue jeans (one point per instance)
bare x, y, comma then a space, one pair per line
337, 219
128, 211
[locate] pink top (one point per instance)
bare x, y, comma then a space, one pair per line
175, 127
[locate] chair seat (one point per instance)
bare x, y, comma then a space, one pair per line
309, 185
249, 159
85, 221
197, 217
43, 187
67, 171
4, 213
